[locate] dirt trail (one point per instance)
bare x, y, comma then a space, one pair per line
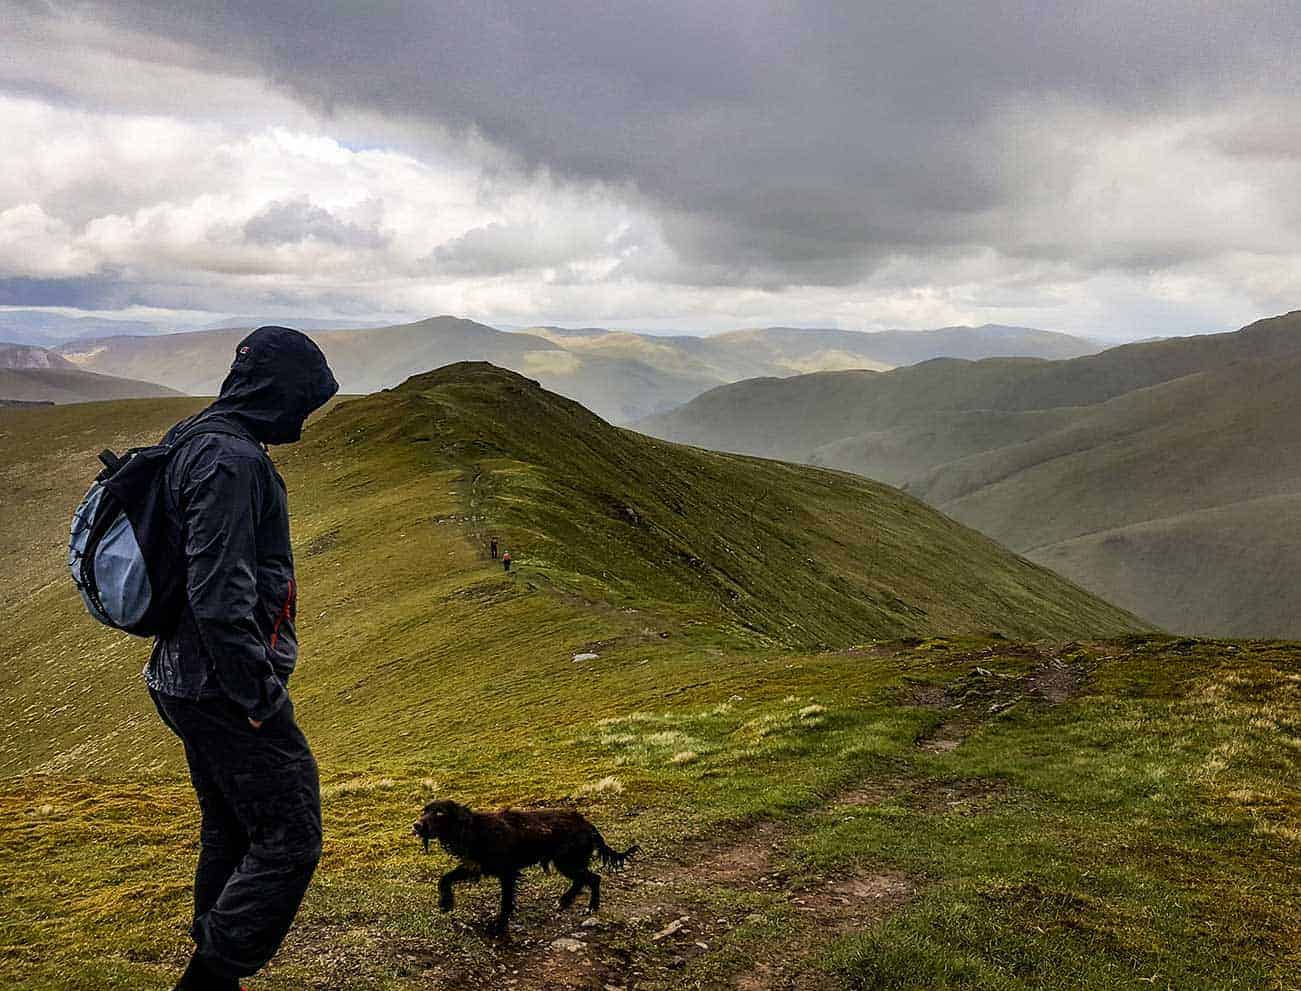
660, 920
672, 923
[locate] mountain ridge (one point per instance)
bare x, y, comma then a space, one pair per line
72, 385
992, 443
395, 493
656, 660
623, 376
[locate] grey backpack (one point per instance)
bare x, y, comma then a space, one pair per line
125, 548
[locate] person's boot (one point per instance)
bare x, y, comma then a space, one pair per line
199, 976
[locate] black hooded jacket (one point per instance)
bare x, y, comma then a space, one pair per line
236, 636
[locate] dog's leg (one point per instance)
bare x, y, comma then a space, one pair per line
573, 867
574, 890
593, 882
446, 899
507, 901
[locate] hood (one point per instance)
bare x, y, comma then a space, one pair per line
279, 377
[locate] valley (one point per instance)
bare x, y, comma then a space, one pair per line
1158, 475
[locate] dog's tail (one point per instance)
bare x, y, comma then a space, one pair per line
611, 858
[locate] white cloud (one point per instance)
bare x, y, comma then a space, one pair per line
1115, 191
192, 200
197, 183
34, 244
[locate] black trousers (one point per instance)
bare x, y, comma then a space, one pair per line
260, 838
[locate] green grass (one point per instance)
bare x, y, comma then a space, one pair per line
1120, 848
1127, 857
1148, 826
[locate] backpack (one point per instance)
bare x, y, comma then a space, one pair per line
125, 545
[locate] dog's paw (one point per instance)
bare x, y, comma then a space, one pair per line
445, 904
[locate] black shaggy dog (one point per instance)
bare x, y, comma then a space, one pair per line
502, 844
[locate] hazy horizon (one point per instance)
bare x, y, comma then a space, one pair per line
194, 321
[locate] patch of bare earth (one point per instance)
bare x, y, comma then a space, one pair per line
947, 736
983, 693
666, 926
1055, 681
962, 796
658, 921
828, 909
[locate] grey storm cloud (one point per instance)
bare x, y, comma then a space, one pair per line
795, 141
492, 250
295, 220
103, 291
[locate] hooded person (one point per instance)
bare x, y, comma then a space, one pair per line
220, 676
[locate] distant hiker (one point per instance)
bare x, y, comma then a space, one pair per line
219, 678
492, 546
505, 561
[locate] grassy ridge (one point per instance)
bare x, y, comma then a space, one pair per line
1129, 825
72, 385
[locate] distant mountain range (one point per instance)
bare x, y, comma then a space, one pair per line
1165, 476
621, 376
46, 329
31, 374
779, 351
368, 360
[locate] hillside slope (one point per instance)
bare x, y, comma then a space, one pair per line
902, 814
1036, 453
31, 356
389, 487
1181, 498
72, 385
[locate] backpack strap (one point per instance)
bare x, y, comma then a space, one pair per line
113, 462
200, 428
110, 460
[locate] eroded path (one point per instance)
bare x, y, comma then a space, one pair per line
671, 919
737, 911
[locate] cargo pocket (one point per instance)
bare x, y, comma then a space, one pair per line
280, 808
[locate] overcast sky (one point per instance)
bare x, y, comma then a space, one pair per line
1118, 168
